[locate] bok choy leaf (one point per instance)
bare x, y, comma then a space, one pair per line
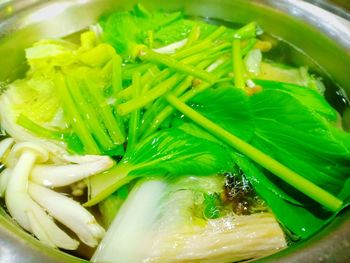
169, 152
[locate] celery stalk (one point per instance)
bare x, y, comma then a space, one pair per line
149, 55
89, 115
193, 35
74, 117
246, 32
116, 75
134, 121
114, 128
168, 110
147, 77
217, 33
195, 49
237, 64
144, 99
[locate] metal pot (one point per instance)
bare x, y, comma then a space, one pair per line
322, 32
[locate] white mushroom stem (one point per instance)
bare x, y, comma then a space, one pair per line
80, 159
63, 175
69, 212
23, 209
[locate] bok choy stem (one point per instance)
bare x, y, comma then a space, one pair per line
316, 193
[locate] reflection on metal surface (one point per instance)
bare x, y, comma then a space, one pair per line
336, 27
46, 13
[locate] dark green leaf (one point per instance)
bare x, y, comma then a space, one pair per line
300, 219
228, 107
299, 136
125, 30
177, 153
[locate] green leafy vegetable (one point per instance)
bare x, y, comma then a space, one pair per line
168, 152
300, 218
295, 129
282, 122
125, 30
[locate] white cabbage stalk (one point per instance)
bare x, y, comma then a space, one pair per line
62, 175
171, 48
158, 223
23, 209
69, 212
130, 230
227, 239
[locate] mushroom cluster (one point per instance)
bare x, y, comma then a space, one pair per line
26, 184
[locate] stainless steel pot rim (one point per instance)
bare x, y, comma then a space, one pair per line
339, 230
